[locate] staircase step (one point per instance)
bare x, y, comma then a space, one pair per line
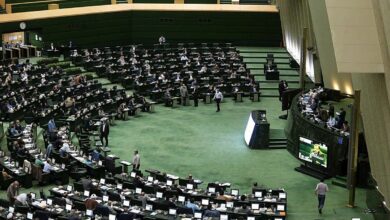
264, 55
261, 49
277, 139
264, 60
338, 183
289, 79
281, 72
277, 146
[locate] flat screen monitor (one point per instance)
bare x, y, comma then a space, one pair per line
205, 202
169, 182
69, 188
105, 198
181, 199
86, 193
30, 216
49, 202
102, 181
89, 212
68, 207
138, 190
159, 195
223, 217
258, 194
111, 217
313, 152
250, 125
280, 207
255, 206
150, 179
190, 186
229, 204
198, 215
234, 192
172, 212
126, 203
149, 207
211, 189
282, 195
133, 174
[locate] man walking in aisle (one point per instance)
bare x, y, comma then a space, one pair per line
320, 191
218, 98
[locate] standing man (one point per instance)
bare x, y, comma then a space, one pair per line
283, 86
195, 94
320, 191
104, 131
13, 191
51, 126
218, 98
136, 160
183, 94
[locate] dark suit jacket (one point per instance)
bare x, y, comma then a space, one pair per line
106, 129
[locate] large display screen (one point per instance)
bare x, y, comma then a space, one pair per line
249, 129
313, 152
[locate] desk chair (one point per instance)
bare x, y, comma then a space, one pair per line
79, 205
4, 203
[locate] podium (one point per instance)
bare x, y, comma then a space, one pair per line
125, 166
207, 99
255, 97
239, 96
257, 130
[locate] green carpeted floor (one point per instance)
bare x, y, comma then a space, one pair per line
210, 146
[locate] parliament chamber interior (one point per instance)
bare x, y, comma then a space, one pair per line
194, 109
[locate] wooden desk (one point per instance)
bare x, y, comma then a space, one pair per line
37, 15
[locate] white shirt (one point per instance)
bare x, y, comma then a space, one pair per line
136, 159
47, 167
331, 122
218, 95
321, 188
22, 198
65, 147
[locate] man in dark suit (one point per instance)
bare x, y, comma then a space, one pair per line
195, 94
283, 86
104, 131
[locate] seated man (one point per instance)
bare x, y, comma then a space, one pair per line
23, 199
47, 167
91, 203
168, 98
210, 212
64, 150
192, 205
95, 156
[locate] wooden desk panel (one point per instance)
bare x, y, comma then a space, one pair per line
37, 15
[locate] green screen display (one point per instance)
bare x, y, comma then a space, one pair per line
313, 152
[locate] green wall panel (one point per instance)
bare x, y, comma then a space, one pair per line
262, 29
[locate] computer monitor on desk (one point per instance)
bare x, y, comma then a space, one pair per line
258, 194
280, 208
